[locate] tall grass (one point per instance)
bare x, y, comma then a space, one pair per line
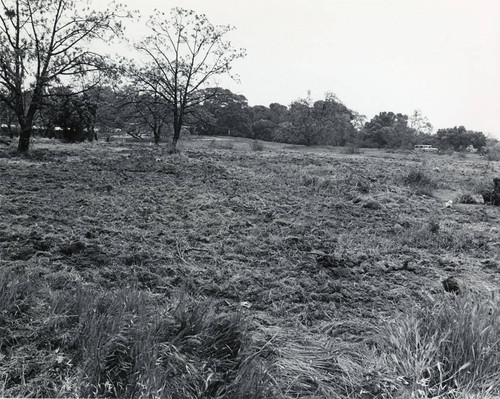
124, 343
451, 347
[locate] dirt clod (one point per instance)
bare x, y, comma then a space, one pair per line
451, 285
72, 248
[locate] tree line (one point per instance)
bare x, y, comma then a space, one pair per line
52, 82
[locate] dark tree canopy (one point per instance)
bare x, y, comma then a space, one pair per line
73, 113
222, 113
388, 129
459, 139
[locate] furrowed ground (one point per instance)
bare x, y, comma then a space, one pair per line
222, 272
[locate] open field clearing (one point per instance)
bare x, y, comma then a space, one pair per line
222, 272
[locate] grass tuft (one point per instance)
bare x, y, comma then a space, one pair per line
451, 347
419, 182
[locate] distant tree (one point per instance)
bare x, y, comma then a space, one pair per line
184, 52
333, 118
459, 139
418, 122
286, 132
7, 119
358, 120
41, 41
324, 122
263, 129
73, 113
279, 113
110, 113
260, 112
390, 130
222, 113
301, 117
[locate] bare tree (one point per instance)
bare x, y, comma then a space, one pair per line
420, 123
41, 41
183, 54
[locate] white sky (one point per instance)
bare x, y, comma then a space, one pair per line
439, 56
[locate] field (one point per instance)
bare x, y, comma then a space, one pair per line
227, 272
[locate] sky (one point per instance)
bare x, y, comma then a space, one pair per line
441, 57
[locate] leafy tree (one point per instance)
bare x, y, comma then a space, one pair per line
263, 129
388, 129
222, 113
279, 113
324, 122
286, 132
358, 120
302, 120
42, 41
184, 53
334, 121
260, 112
73, 113
459, 138
110, 113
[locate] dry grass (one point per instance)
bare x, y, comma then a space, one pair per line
229, 273
450, 347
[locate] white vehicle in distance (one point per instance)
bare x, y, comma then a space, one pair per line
423, 147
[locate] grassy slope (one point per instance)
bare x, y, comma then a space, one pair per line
313, 249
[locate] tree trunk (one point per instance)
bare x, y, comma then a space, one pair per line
177, 133
157, 134
24, 139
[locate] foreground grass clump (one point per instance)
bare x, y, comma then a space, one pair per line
451, 347
121, 344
